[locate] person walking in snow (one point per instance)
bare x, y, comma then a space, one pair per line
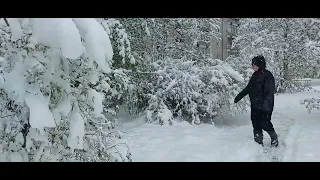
261, 90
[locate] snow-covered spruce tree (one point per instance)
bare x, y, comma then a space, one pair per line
141, 47
53, 82
121, 83
281, 40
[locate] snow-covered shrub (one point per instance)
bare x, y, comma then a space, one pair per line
196, 91
311, 103
54, 76
244, 69
153, 39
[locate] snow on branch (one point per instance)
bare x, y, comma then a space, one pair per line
59, 68
6, 21
194, 91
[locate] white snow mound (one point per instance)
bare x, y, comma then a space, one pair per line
97, 41
40, 114
59, 33
75, 139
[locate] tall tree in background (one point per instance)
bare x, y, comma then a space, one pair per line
283, 41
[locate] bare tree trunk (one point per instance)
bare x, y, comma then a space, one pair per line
285, 63
286, 75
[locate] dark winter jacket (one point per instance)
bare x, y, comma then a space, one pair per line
261, 89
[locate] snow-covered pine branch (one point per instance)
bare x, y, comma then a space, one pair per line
52, 88
121, 45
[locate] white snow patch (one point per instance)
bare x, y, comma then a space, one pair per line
15, 28
42, 27
75, 139
70, 40
97, 42
187, 143
96, 99
15, 157
40, 114
16, 76
19, 138
165, 115
63, 108
235, 74
94, 78
1, 60
231, 142
2, 23
58, 33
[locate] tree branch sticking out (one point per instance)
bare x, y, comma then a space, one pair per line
5, 20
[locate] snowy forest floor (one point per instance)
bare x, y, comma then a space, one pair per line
233, 139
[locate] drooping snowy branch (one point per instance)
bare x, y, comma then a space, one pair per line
56, 101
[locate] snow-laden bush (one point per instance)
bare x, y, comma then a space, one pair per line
153, 39
195, 91
55, 74
245, 69
311, 103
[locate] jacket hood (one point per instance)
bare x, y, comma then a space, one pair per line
259, 61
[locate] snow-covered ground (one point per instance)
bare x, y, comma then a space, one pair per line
233, 142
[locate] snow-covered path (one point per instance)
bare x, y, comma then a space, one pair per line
183, 142
303, 142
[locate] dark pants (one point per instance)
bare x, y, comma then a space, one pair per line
262, 121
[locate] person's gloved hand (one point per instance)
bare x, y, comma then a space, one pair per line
237, 99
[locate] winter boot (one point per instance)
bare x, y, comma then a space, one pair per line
258, 137
274, 138
274, 143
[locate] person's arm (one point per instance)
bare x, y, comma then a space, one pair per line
269, 90
243, 93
